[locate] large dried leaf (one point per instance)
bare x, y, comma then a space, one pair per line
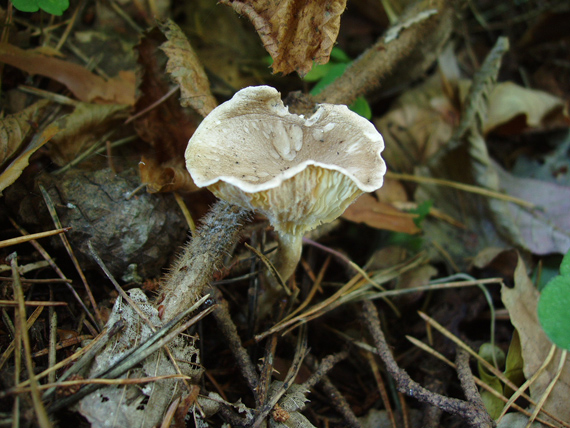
14, 129
294, 33
509, 102
419, 123
380, 215
185, 69
545, 229
15, 168
85, 85
133, 405
521, 302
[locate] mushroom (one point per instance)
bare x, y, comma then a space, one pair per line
299, 172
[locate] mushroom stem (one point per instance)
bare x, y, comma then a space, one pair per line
288, 253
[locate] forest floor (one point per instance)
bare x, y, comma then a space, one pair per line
131, 297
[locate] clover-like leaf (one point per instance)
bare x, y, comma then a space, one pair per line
55, 7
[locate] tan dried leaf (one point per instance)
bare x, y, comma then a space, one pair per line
521, 302
295, 34
15, 168
509, 102
186, 69
380, 215
420, 123
392, 191
15, 127
85, 85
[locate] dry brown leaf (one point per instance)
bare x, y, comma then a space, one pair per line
413, 278
416, 277
380, 215
85, 85
15, 127
15, 168
170, 176
521, 302
166, 127
186, 69
392, 191
511, 104
295, 34
420, 122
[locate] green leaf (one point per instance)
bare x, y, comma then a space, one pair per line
553, 310
413, 243
493, 405
335, 71
55, 7
361, 106
422, 210
514, 364
550, 268
565, 265
26, 5
318, 72
338, 55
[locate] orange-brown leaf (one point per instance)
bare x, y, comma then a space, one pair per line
168, 177
85, 85
294, 33
370, 211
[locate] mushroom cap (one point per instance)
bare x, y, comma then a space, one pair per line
251, 151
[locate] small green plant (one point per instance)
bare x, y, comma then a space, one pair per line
413, 243
554, 305
325, 74
55, 7
512, 367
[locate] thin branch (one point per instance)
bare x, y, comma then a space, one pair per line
229, 330
475, 416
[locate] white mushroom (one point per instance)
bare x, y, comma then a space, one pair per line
299, 172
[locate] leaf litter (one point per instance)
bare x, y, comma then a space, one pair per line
422, 242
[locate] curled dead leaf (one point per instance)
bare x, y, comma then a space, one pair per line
170, 176
294, 33
513, 108
186, 69
15, 127
15, 168
85, 85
